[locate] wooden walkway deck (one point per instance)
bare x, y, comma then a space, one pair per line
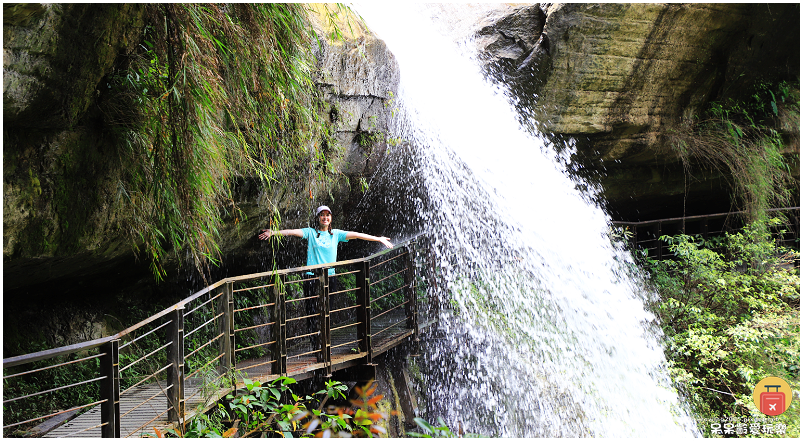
287, 317
153, 414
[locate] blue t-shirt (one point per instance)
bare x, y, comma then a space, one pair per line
323, 249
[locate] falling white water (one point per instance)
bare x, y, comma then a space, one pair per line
548, 334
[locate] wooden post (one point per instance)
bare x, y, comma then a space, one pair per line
325, 320
796, 219
231, 325
658, 241
411, 298
109, 390
279, 334
363, 312
175, 394
226, 343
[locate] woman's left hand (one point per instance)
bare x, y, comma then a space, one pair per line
385, 241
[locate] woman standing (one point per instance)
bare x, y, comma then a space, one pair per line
323, 241
323, 244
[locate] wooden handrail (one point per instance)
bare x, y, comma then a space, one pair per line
55, 352
699, 216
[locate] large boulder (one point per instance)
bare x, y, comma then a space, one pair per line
58, 171
359, 76
54, 56
617, 79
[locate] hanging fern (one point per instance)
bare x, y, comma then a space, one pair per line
214, 92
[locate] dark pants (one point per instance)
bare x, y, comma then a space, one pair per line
313, 323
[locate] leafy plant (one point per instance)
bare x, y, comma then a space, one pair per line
214, 93
367, 139
731, 318
430, 431
273, 409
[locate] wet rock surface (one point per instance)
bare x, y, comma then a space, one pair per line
54, 56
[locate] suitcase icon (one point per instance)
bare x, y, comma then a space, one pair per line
773, 403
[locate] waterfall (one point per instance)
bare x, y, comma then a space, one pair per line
545, 332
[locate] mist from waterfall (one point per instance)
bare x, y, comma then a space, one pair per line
545, 332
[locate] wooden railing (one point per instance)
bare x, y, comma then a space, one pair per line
265, 325
646, 235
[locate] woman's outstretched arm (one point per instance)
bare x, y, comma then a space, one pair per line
383, 240
266, 234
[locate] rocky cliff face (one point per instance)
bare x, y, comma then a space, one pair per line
617, 79
61, 243
359, 77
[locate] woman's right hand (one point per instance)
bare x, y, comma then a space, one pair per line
265, 234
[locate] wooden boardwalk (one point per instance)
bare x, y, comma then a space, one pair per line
222, 327
139, 419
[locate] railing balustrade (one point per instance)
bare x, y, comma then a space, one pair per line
171, 365
646, 235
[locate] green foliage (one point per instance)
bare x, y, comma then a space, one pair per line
273, 409
391, 103
440, 431
731, 318
363, 184
430, 431
54, 378
214, 92
76, 370
203, 426
744, 140
336, 13
367, 139
370, 136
